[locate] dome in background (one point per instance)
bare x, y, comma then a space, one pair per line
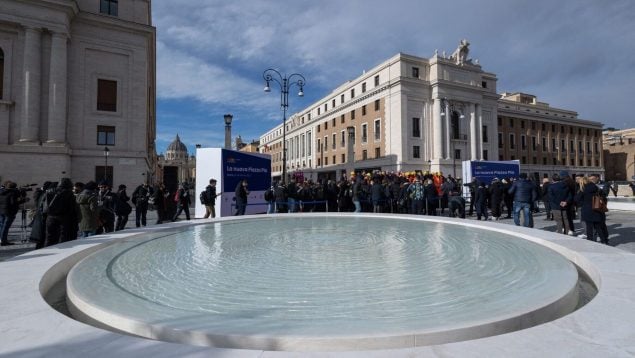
176, 150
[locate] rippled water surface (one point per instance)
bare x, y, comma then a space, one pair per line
333, 275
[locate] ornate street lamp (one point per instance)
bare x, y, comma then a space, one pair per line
447, 109
285, 83
228, 131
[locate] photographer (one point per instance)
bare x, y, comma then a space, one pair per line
10, 200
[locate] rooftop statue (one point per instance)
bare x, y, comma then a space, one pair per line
460, 54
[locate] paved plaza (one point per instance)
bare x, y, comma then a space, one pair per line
621, 225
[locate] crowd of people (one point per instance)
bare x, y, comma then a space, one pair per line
562, 197
65, 211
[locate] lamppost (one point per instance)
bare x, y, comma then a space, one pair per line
271, 75
350, 155
447, 109
228, 131
106, 153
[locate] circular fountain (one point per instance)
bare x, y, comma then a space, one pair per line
322, 282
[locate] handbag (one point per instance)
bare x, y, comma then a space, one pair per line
599, 204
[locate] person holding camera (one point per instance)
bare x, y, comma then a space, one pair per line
10, 200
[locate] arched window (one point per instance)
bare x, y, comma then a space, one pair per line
1, 71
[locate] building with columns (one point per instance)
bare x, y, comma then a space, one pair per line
77, 76
407, 113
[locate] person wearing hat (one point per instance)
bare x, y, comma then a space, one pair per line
524, 194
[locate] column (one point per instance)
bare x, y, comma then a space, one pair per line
57, 90
437, 130
447, 131
473, 132
479, 134
30, 126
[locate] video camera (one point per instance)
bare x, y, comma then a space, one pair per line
24, 189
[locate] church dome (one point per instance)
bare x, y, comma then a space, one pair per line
176, 150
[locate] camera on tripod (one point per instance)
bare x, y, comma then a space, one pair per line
24, 189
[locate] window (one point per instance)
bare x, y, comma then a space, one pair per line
542, 127
415, 72
308, 144
363, 87
572, 147
377, 152
580, 150
500, 140
512, 141
352, 93
553, 144
544, 161
484, 84
341, 98
376, 105
377, 129
352, 114
108, 7
485, 155
334, 161
523, 160
553, 128
334, 141
484, 135
333, 103
595, 148
376, 80
364, 133
457, 154
105, 135
318, 128
318, 111
562, 130
343, 158
522, 124
326, 160
588, 147
302, 146
326, 107
544, 143
455, 125
1, 71
533, 126
563, 146
342, 119
319, 145
364, 154
363, 110
107, 95
326, 144
416, 127
533, 143
500, 121
511, 123
415, 152
343, 139
333, 122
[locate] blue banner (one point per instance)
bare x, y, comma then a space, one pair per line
486, 171
238, 166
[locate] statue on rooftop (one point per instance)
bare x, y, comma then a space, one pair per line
460, 54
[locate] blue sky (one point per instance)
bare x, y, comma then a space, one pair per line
572, 54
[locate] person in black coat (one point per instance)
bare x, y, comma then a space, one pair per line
544, 189
560, 198
595, 221
241, 194
10, 201
159, 203
496, 193
62, 214
182, 200
377, 195
122, 208
480, 201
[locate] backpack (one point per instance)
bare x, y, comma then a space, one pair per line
177, 196
269, 195
203, 197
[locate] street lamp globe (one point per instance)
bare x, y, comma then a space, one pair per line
228, 119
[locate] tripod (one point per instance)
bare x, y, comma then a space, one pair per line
23, 234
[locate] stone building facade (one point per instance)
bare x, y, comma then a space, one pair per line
77, 76
414, 113
619, 154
